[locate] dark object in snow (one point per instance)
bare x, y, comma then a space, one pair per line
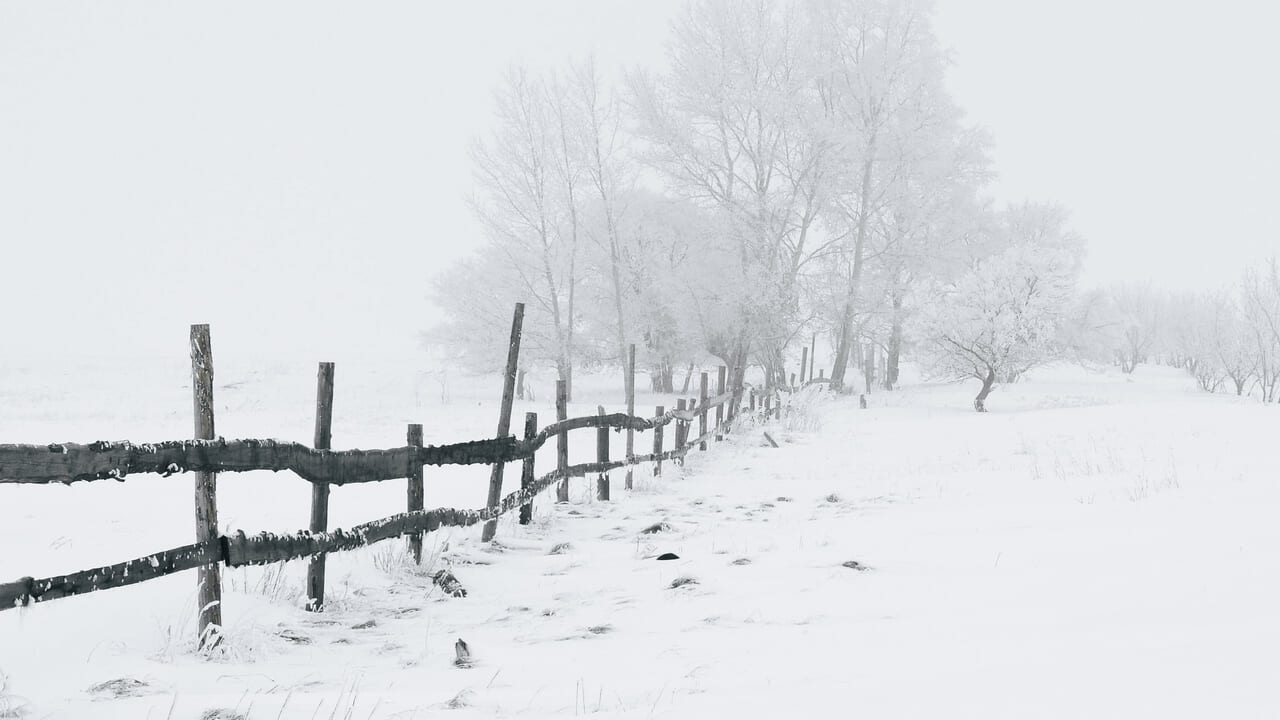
560, 548
741, 561
221, 714
293, 636
463, 652
600, 629
783, 498
770, 439
365, 625
449, 584
854, 565
682, 581
668, 556
862, 401
121, 687
656, 528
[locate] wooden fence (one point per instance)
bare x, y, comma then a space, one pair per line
208, 455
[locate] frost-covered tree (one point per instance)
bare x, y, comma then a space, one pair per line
1141, 312
1002, 317
1260, 310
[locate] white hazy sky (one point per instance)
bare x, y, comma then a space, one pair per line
294, 172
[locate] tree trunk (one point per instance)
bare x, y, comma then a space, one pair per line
688, 377
855, 279
979, 403
895, 345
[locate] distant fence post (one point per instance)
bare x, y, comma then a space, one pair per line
793, 381
320, 490
602, 456
631, 407
504, 418
804, 363
768, 403
209, 577
526, 470
702, 416
719, 406
658, 412
813, 353
416, 496
562, 441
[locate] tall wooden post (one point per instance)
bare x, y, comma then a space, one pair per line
602, 456
793, 381
562, 441
702, 406
719, 407
631, 407
658, 412
813, 353
526, 469
416, 496
768, 409
504, 417
320, 490
804, 363
209, 577
681, 428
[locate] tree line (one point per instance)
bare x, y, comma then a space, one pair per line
795, 169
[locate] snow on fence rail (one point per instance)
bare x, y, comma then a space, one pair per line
71, 462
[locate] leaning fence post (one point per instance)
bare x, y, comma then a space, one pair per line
719, 405
562, 441
320, 489
526, 470
804, 363
416, 496
602, 456
702, 416
209, 578
680, 429
658, 412
631, 407
504, 419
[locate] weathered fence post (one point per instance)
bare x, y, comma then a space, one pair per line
658, 412
526, 470
504, 418
209, 577
719, 406
751, 394
681, 429
804, 363
416, 496
768, 409
562, 441
631, 407
602, 456
793, 381
320, 490
702, 416
813, 353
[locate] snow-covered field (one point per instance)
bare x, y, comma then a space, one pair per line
1095, 546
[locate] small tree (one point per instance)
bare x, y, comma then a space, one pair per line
998, 320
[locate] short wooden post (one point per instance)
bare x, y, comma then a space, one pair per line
504, 418
320, 490
631, 407
793, 381
719, 406
209, 577
822, 374
702, 416
562, 441
658, 412
602, 456
416, 496
526, 470
804, 363
768, 409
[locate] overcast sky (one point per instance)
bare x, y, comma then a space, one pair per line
294, 172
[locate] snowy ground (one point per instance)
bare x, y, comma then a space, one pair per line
1096, 546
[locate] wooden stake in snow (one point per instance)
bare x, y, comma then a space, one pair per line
320, 490
416, 495
631, 407
719, 408
526, 469
658, 412
602, 456
804, 363
504, 417
681, 426
562, 441
209, 578
702, 406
